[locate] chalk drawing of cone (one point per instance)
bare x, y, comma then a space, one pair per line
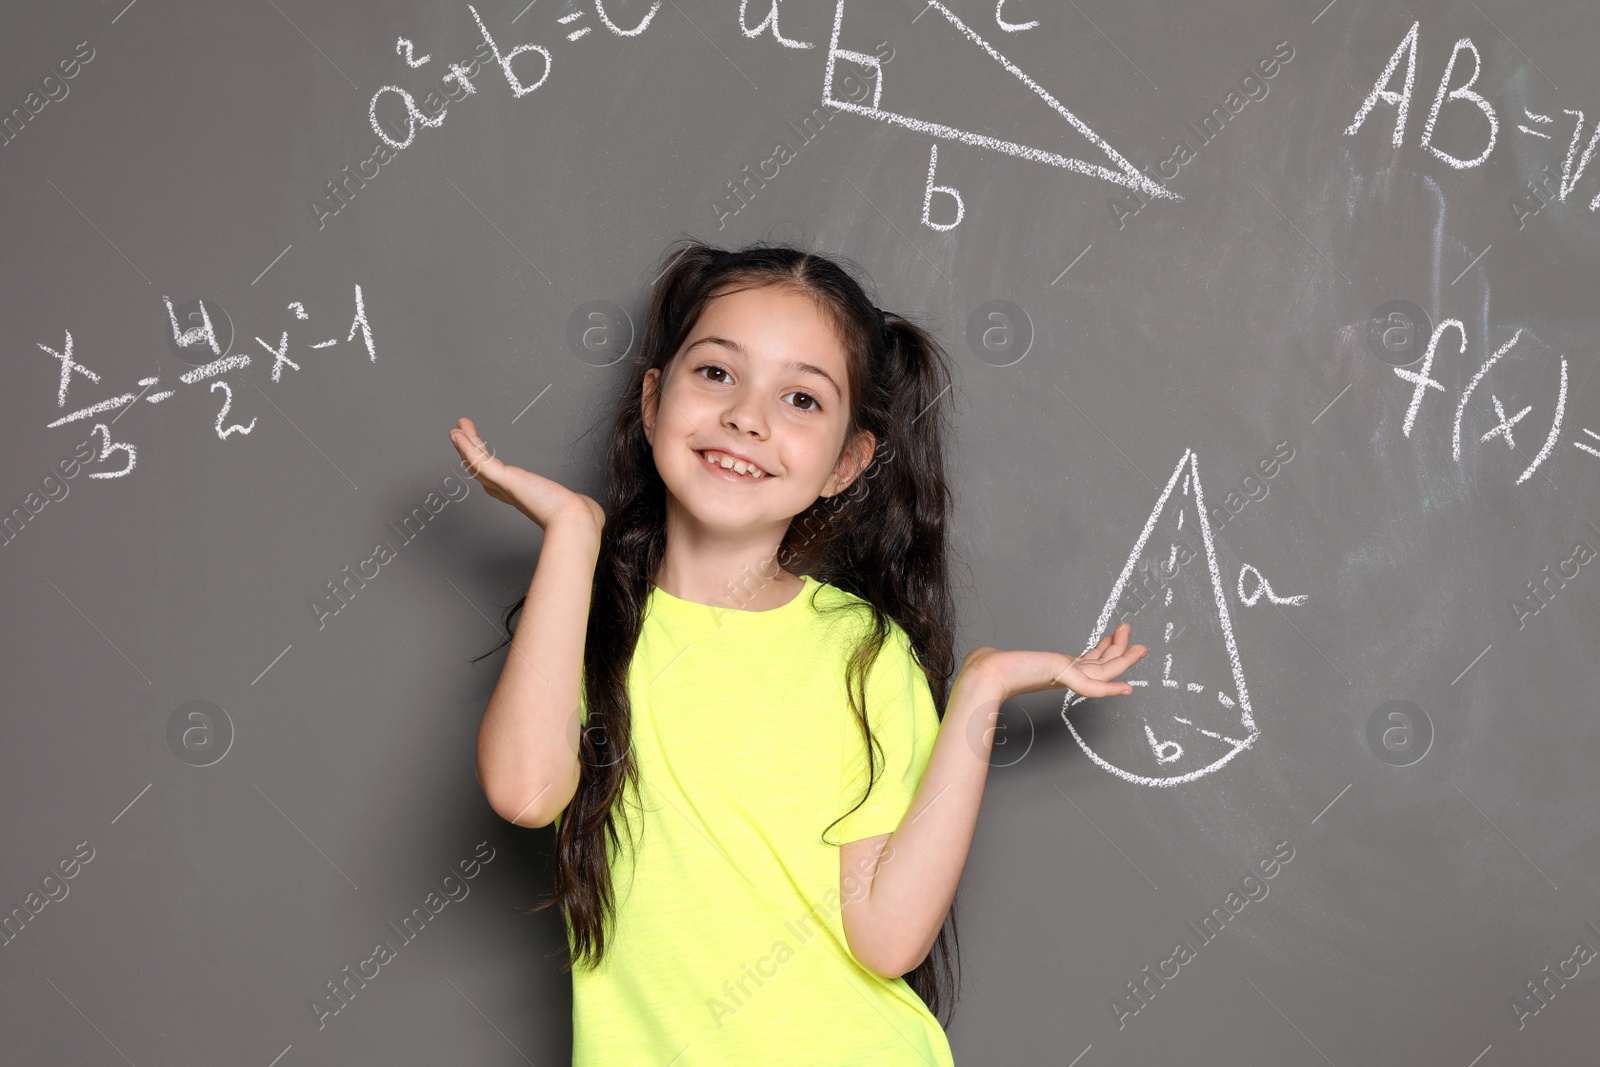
1189, 713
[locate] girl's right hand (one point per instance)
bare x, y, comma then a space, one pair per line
537, 497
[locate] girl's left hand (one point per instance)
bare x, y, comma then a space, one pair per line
1018, 672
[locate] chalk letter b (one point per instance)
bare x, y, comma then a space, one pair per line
517, 88
927, 196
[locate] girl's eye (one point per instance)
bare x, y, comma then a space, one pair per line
814, 405
712, 368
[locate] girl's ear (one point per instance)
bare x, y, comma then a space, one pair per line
852, 462
649, 402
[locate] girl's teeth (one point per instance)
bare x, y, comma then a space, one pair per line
728, 463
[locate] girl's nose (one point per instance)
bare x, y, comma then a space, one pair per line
745, 413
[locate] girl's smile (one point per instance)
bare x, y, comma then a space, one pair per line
732, 465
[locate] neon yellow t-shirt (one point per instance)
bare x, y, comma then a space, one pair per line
729, 946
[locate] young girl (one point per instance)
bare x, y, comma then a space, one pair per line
750, 637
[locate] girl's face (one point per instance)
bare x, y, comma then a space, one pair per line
761, 377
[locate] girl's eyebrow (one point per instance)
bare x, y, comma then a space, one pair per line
806, 368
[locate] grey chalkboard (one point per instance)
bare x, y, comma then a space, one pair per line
1275, 330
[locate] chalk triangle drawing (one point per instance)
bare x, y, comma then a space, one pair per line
1188, 714
1125, 173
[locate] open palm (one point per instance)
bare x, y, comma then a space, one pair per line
536, 496
1091, 674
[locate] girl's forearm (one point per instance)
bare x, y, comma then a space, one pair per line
920, 866
528, 740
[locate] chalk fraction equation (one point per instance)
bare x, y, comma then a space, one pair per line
201, 340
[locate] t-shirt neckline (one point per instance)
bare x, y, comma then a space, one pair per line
718, 614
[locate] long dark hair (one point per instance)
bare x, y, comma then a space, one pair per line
881, 539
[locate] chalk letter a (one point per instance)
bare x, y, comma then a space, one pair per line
1408, 48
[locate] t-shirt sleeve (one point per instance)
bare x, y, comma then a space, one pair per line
905, 724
